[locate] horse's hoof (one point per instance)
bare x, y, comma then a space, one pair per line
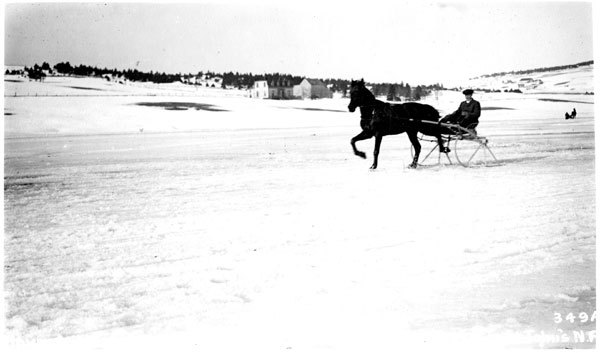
412, 165
373, 167
361, 155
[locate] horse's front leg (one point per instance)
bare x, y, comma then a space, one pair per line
417, 146
378, 139
364, 135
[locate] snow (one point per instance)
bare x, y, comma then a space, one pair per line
209, 221
577, 80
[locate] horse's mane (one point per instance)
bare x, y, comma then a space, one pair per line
368, 92
364, 90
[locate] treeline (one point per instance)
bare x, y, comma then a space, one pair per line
542, 69
246, 80
393, 91
130, 75
402, 91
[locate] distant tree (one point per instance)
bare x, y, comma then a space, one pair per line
418, 93
391, 96
374, 89
64, 68
36, 75
83, 70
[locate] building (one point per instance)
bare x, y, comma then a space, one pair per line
529, 83
260, 90
311, 88
280, 89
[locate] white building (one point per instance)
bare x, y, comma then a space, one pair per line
260, 90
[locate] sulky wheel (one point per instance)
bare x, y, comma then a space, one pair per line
429, 150
472, 151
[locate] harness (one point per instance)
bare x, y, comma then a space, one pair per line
388, 113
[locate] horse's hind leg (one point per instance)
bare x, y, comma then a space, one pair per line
364, 135
417, 146
443, 149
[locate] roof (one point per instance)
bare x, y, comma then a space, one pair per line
280, 82
314, 82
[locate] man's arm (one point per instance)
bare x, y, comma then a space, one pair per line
456, 114
476, 111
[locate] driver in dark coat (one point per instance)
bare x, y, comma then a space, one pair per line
467, 114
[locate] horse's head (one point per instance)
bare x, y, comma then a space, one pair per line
359, 95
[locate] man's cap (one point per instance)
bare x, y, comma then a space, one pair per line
468, 92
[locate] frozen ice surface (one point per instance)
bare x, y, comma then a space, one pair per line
222, 222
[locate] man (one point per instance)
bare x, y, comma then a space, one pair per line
467, 114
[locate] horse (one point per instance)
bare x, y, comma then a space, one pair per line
378, 119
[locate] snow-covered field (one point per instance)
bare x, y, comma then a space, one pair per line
207, 221
577, 80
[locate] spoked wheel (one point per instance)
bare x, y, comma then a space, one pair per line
473, 151
427, 152
470, 149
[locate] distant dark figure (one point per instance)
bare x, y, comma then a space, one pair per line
378, 119
572, 115
468, 113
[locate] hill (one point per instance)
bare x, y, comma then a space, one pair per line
575, 79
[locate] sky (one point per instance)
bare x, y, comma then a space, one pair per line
414, 42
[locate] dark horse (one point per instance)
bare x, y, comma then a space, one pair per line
378, 119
